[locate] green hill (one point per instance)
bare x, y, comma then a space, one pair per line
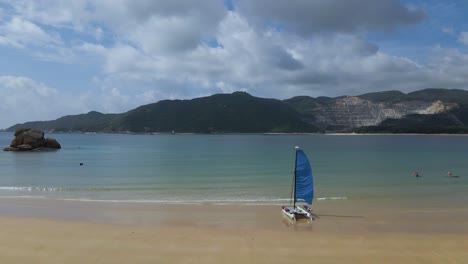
388, 96
224, 113
239, 112
221, 113
90, 122
446, 95
431, 94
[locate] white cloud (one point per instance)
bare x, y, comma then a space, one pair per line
463, 37
27, 100
265, 63
181, 27
447, 68
21, 33
153, 25
9, 42
54, 13
153, 50
448, 31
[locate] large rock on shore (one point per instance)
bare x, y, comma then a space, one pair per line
27, 139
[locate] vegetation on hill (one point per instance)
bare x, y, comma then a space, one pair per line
450, 123
240, 112
431, 94
90, 122
221, 113
388, 96
446, 95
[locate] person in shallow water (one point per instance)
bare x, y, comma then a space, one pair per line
416, 174
449, 174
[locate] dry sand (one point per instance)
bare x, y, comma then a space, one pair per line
49, 231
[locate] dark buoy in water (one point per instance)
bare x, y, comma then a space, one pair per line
81, 163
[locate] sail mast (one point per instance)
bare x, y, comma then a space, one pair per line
294, 182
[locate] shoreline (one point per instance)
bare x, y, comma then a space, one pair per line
343, 216
393, 134
253, 133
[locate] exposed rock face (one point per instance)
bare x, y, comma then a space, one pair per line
27, 139
351, 112
437, 107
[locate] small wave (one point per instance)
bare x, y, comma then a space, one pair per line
331, 198
30, 189
174, 200
22, 197
183, 201
247, 202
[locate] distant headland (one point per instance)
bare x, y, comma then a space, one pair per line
429, 111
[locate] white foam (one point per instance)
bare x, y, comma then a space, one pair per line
188, 201
22, 197
331, 198
30, 189
184, 200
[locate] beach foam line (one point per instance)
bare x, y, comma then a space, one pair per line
185, 200
75, 189
29, 189
262, 201
182, 201
22, 197
331, 198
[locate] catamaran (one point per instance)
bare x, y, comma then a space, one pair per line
303, 188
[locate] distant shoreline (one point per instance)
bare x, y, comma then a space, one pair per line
391, 134
253, 133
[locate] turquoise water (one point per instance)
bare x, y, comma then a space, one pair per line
234, 168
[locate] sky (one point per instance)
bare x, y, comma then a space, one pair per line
61, 57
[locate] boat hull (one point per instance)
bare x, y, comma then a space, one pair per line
295, 213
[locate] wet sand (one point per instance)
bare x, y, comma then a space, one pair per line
51, 231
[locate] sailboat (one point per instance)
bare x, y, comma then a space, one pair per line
303, 188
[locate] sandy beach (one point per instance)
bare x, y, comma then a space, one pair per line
53, 231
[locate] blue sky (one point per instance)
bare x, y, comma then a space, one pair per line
70, 57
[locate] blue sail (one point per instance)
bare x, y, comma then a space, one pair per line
304, 183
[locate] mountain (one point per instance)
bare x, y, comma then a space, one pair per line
90, 122
387, 111
425, 111
447, 114
221, 113
238, 112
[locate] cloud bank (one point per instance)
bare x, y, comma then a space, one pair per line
146, 51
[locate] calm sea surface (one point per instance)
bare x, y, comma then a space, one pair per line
235, 168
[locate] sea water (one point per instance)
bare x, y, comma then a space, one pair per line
234, 168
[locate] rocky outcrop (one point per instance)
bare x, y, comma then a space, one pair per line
52, 143
27, 139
